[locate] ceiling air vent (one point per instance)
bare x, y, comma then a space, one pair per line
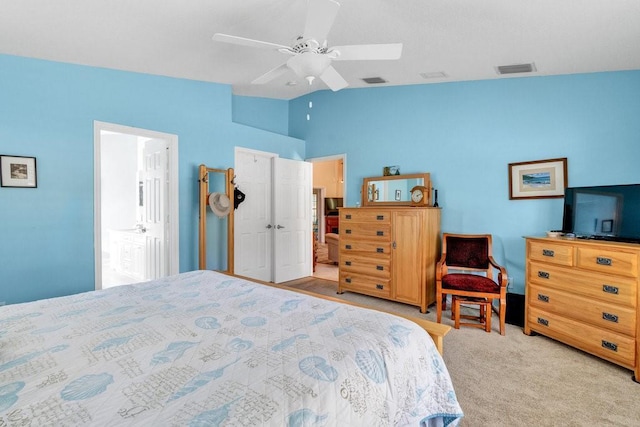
374, 80
516, 68
434, 75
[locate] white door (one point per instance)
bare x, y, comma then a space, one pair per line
154, 218
293, 222
119, 212
253, 237
278, 193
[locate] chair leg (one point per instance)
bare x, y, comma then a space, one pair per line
439, 306
503, 314
487, 320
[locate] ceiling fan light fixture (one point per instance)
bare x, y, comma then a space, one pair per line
309, 64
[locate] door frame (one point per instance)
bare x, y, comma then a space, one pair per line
173, 202
342, 157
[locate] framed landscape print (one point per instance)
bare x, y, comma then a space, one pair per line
538, 179
18, 171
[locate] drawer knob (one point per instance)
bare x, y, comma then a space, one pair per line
548, 252
610, 289
379, 233
381, 287
347, 231
380, 217
379, 267
348, 280
543, 298
610, 317
347, 263
543, 274
609, 345
603, 261
347, 216
380, 250
347, 246
543, 322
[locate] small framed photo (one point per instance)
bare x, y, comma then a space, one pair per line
390, 170
607, 226
538, 179
18, 171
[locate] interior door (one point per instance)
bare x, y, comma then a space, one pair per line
293, 183
154, 218
253, 236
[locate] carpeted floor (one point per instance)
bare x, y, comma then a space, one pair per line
520, 380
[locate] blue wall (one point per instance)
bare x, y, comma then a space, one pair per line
47, 111
465, 134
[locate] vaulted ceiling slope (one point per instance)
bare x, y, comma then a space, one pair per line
443, 40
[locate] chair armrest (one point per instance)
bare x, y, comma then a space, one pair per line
439, 266
504, 279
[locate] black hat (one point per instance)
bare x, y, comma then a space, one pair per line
238, 197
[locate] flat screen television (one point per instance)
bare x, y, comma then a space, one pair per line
331, 205
608, 212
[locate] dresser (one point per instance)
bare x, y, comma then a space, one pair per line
390, 252
584, 293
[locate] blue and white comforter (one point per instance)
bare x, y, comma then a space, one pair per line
205, 349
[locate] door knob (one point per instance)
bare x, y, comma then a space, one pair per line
280, 226
269, 226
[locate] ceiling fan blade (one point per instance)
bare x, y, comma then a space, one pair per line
333, 79
366, 52
225, 38
320, 17
272, 74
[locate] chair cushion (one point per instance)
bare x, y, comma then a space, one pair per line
470, 282
472, 252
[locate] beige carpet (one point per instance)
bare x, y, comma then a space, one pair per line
520, 380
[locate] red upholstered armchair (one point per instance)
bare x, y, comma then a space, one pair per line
470, 254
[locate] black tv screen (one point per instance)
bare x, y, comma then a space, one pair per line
609, 212
331, 205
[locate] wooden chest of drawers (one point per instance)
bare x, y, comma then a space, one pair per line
585, 294
390, 253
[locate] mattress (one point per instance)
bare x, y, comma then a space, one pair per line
207, 349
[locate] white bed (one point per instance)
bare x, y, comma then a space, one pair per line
206, 349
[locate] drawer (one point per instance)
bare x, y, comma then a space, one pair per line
609, 345
597, 313
363, 230
613, 289
608, 261
381, 249
365, 284
365, 265
551, 252
365, 215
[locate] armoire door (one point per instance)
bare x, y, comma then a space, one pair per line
408, 263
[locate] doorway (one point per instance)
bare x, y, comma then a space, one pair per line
329, 189
136, 204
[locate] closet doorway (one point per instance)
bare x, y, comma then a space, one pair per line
273, 226
136, 204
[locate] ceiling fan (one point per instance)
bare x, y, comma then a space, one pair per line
310, 55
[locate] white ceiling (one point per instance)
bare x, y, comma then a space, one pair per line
465, 39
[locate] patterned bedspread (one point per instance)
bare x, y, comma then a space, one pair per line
205, 349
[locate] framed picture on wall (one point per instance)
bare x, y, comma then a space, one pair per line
538, 179
18, 171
